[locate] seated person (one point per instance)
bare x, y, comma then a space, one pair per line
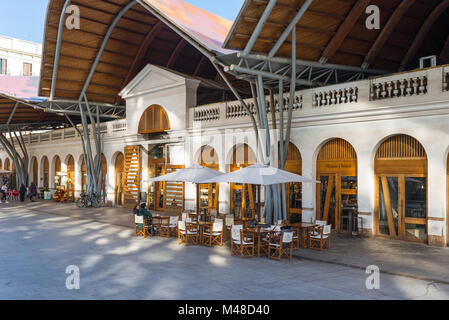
146, 215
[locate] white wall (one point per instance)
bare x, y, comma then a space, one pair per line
16, 52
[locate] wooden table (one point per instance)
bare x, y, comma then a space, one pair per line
303, 231
158, 221
258, 232
201, 226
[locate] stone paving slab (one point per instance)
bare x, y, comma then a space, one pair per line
392, 257
37, 247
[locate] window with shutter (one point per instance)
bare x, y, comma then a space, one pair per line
27, 69
154, 120
3, 66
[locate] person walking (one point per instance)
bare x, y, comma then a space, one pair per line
4, 189
22, 192
33, 192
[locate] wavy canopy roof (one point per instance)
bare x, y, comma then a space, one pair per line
167, 33
335, 31
22, 90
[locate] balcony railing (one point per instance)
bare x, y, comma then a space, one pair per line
402, 89
109, 129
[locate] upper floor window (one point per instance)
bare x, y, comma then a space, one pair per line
3, 66
27, 69
154, 120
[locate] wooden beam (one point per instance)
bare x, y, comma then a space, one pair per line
330, 186
387, 30
388, 208
423, 32
200, 64
346, 27
444, 55
141, 52
181, 44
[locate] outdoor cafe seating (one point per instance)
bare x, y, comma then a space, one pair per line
247, 237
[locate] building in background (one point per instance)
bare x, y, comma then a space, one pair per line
19, 57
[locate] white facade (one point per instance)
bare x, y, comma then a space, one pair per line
17, 52
364, 113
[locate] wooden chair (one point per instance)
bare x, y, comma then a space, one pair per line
140, 231
280, 245
213, 234
181, 231
187, 233
167, 230
229, 222
241, 243
320, 237
296, 238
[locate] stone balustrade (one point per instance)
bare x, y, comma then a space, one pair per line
400, 90
395, 88
107, 129
335, 96
207, 114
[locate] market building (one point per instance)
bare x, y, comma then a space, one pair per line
377, 139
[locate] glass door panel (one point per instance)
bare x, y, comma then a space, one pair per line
328, 201
250, 200
237, 200
415, 210
389, 206
349, 206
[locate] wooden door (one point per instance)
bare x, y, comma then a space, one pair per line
243, 201
337, 201
131, 176
174, 191
208, 196
328, 208
402, 206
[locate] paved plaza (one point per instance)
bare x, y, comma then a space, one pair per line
37, 247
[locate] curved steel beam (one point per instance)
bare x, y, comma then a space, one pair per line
289, 28
444, 55
413, 50
58, 49
181, 44
103, 45
386, 32
252, 40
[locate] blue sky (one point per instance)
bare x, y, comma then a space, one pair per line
24, 19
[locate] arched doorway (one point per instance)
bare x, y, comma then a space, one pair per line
83, 176
337, 192
58, 174
119, 168
163, 195
293, 164
208, 193
243, 196
45, 172
401, 189
35, 167
7, 164
70, 183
